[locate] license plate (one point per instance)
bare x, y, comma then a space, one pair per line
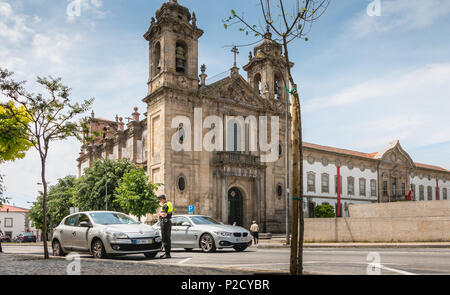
143, 242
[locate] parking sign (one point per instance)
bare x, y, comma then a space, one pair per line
190, 209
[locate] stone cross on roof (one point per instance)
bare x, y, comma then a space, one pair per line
235, 50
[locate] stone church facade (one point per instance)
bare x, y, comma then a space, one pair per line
233, 184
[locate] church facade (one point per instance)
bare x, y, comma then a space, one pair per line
234, 182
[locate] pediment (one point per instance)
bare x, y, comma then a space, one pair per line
236, 89
395, 154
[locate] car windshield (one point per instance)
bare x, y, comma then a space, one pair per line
105, 218
203, 220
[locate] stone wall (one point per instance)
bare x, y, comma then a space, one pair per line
402, 209
393, 222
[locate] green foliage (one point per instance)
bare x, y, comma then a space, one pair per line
324, 211
135, 194
59, 201
13, 122
91, 190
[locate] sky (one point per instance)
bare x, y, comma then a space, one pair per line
364, 80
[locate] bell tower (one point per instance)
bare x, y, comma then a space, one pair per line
267, 69
173, 47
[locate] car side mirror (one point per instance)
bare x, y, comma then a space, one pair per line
186, 224
85, 224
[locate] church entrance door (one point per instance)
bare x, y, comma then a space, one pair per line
235, 206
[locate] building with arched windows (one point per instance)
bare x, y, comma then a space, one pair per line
235, 184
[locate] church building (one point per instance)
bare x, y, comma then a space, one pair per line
236, 183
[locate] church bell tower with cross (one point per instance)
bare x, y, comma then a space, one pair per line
173, 46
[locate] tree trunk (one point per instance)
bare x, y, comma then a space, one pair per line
295, 189
300, 196
44, 209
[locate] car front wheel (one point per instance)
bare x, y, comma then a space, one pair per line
57, 249
98, 250
207, 243
240, 248
151, 255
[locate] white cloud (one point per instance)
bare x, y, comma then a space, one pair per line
411, 106
399, 15
54, 48
12, 26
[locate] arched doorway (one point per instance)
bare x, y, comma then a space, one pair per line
235, 206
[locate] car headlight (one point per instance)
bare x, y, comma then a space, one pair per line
118, 235
223, 234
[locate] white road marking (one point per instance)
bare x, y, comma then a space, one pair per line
394, 270
185, 260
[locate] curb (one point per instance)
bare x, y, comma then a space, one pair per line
393, 246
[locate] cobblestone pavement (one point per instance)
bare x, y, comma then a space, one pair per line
12, 264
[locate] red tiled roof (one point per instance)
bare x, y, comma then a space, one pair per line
337, 150
364, 155
4, 208
426, 166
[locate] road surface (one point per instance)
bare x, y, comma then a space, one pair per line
347, 261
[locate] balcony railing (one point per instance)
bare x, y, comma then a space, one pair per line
235, 159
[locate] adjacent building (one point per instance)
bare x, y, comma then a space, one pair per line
13, 220
236, 184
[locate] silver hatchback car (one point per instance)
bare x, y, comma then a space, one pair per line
198, 231
103, 234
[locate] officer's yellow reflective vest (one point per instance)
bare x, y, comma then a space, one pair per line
170, 207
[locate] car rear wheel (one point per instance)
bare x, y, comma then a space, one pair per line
98, 250
151, 255
57, 249
207, 243
240, 248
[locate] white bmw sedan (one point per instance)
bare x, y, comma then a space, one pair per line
198, 231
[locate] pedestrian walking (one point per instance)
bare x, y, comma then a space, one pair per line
254, 229
165, 216
1, 236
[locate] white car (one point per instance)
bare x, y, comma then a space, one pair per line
103, 234
198, 231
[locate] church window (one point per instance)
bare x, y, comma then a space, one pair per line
310, 160
181, 59
444, 193
279, 191
430, 193
350, 185
311, 182
362, 186
278, 88
324, 161
373, 188
385, 188
181, 183
350, 165
257, 83
280, 150
403, 189
421, 192
157, 58
325, 183
413, 191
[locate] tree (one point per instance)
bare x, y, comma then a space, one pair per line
288, 25
51, 118
136, 195
324, 211
2, 189
59, 201
91, 188
12, 144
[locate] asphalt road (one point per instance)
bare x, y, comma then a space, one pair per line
348, 261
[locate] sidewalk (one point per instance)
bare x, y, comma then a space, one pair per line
279, 241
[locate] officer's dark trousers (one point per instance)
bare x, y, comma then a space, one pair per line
166, 229
1, 247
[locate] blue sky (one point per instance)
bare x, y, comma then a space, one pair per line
364, 81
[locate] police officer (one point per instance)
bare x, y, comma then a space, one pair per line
165, 216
